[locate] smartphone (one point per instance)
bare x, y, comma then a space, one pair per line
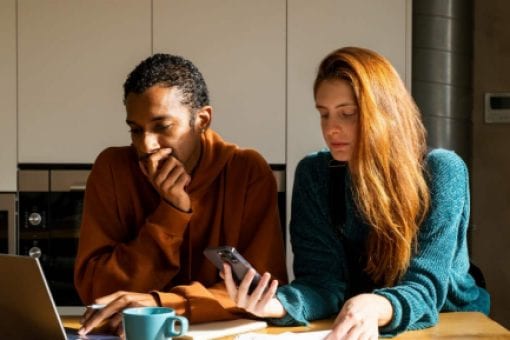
239, 265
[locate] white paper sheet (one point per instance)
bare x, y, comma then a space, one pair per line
315, 335
213, 330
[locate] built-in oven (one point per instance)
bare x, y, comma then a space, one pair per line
8, 223
49, 215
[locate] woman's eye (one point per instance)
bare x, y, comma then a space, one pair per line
349, 112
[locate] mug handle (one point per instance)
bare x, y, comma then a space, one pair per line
170, 325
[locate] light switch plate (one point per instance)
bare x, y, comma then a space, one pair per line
497, 107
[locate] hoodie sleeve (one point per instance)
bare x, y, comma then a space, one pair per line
112, 256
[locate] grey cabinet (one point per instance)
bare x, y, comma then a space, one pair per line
8, 95
73, 57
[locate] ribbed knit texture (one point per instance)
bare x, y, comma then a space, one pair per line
437, 278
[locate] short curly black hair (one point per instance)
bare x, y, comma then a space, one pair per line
170, 71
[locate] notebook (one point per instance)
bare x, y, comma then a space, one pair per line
27, 309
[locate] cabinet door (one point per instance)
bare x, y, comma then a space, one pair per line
8, 95
73, 59
239, 46
316, 28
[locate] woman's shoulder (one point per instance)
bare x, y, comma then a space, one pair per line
447, 172
442, 161
315, 160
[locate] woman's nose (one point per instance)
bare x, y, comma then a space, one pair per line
333, 126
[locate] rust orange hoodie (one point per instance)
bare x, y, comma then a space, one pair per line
132, 240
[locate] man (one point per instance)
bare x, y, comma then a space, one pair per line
152, 208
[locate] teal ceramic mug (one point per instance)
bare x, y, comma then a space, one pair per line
152, 323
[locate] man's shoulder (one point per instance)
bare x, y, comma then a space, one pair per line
114, 153
248, 155
249, 161
115, 156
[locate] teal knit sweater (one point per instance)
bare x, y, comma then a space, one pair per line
437, 278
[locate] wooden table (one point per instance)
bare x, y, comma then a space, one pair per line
465, 326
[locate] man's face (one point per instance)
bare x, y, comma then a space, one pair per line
158, 120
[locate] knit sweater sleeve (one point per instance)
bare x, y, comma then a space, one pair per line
318, 291
421, 293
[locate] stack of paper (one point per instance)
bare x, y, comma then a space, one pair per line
213, 330
314, 335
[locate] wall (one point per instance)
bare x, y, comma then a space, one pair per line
491, 157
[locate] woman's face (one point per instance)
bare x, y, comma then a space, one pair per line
338, 110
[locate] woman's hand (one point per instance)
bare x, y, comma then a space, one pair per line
261, 302
361, 317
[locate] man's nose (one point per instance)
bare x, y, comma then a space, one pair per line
149, 143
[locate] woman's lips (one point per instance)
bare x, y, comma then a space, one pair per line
339, 145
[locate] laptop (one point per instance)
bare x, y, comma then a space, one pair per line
27, 309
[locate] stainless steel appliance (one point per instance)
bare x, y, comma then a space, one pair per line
8, 223
50, 207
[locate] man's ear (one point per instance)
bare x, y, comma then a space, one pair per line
203, 118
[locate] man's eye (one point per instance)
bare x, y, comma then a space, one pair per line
160, 128
135, 131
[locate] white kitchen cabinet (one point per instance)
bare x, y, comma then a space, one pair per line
240, 47
73, 57
8, 95
316, 28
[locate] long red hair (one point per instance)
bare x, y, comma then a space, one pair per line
387, 167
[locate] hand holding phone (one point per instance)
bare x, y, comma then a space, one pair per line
239, 265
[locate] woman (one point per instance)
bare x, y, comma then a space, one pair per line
378, 225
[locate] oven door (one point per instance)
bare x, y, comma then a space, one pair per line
50, 204
8, 223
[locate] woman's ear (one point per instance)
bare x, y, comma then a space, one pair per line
203, 118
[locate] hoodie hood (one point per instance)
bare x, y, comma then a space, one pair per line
215, 154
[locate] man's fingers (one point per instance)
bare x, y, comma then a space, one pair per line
153, 161
115, 322
110, 309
